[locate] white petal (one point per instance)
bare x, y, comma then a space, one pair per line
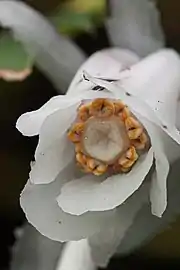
115, 60
171, 147
138, 105
51, 161
155, 79
29, 123
170, 129
146, 225
42, 211
158, 193
54, 127
92, 194
104, 244
34, 251
56, 55
135, 25
76, 256
178, 115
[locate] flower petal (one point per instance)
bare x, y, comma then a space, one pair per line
158, 73
56, 55
115, 60
57, 123
42, 211
29, 123
158, 193
104, 244
34, 251
76, 256
171, 147
92, 194
135, 25
178, 114
138, 105
54, 127
146, 225
51, 161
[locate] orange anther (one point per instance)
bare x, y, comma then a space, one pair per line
119, 106
80, 158
131, 153
75, 133
133, 134
131, 122
102, 107
138, 145
128, 160
143, 138
78, 147
91, 163
128, 164
83, 112
122, 160
125, 113
125, 170
100, 169
141, 142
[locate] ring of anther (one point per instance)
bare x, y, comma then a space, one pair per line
107, 137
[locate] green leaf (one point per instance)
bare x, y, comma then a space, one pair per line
77, 16
85, 6
69, 22
15, 63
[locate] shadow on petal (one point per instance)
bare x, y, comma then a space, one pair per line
90, 193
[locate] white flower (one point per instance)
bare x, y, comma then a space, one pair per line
62, 202
64, 206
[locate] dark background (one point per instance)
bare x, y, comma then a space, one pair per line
16, 151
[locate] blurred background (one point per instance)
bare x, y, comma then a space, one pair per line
83, 21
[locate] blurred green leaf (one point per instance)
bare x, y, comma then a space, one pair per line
77, 16
86, 6
69, 22
15, 63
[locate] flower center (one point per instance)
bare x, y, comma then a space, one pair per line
107, 137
